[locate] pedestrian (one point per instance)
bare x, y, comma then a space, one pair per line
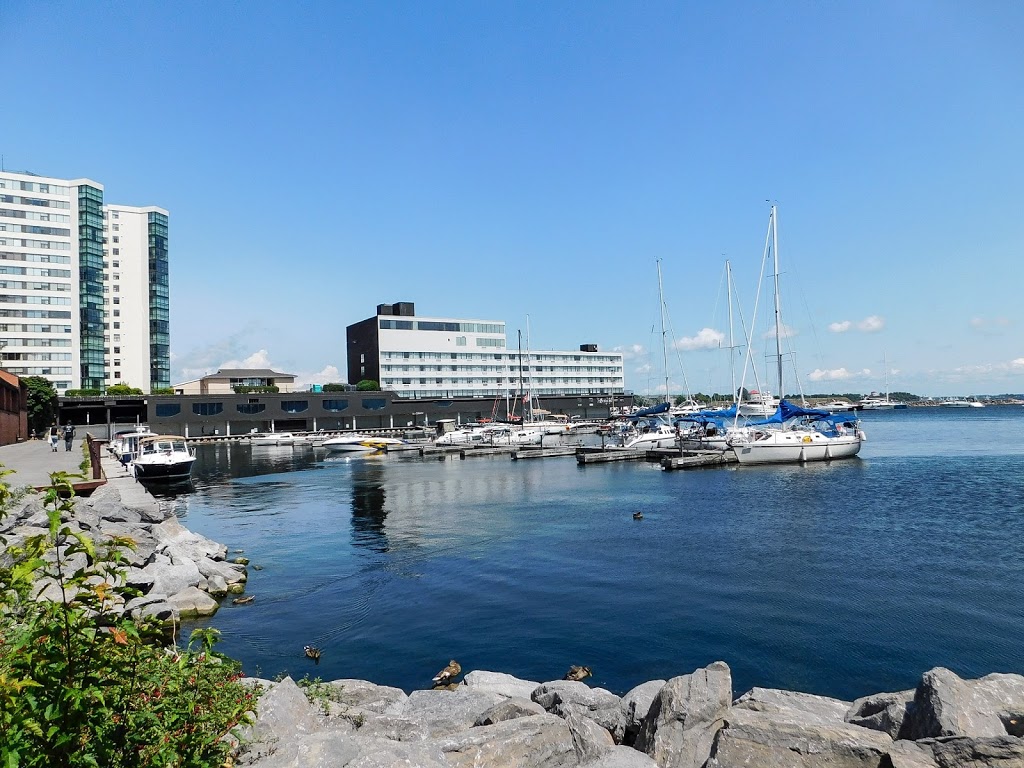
69, 435
54, 437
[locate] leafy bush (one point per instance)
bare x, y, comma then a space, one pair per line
123, 389
80, 685
241, 389
162, 391
368, 385
336, 387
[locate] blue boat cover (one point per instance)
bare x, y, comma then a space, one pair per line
788, 411
654, 410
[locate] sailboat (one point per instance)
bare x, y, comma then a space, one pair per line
875, 402
793, 433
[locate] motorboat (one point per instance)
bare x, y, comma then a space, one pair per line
357, 443
759, 404
163, 458
272, 438
874, 402
125, 444
492, 435
837, 406
962, 402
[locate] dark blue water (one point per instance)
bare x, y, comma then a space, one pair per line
840, 579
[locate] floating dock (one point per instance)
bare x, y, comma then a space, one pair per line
698, 459
543, 453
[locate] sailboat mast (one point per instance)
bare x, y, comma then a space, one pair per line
778, 306
664, 338
519, 397
732, 340
529, 369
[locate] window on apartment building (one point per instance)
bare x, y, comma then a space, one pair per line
117, 289
115, 214
117, 275
117, 350
117, 251
117, 362
117, 264
117, 300
117, 227
117, 313
117, 239
117, 325
117, 374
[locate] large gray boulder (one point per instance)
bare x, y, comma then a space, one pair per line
509, 709
283, 716
499, 682
590, 741
364, 695
987, 752
540, 741
560, 697
333, 749
192, 601
779, 729
365, 723
634, 707
881, 711
909, 754
685, 716
947, 705
622, 757
170, 579
447, 712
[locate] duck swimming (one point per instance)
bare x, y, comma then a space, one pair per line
577, 672
312, 652
638, 515
243, 600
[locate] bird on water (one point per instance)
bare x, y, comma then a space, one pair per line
577, 672
448, 674
243, 600
312, 652
638, 515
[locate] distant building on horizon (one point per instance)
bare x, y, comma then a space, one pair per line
83, 286
431, 357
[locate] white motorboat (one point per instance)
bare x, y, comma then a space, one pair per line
125, 444
873, 402
272, 438
359, 443
163, 458
837, 406
759, 404
793, 433
492, 435
961, 402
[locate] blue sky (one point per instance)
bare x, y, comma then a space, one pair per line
505, 161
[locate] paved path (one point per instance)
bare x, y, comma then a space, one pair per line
34, 460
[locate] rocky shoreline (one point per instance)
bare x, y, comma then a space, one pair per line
494, 720
178, 573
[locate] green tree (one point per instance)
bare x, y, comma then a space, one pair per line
42, 403
162, 391
123, 389
335, 387
368, 385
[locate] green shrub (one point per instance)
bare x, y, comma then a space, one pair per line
82, 686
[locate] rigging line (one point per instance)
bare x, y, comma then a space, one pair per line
679, 355
748, 362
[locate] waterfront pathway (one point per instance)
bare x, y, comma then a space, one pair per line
34, 460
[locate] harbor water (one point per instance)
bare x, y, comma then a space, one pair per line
842, 578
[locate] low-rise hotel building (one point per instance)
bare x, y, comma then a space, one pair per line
436, 357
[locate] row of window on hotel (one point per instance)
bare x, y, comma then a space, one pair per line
35, 186
167, 410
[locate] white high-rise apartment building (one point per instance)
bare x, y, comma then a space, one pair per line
57, 287
135, 299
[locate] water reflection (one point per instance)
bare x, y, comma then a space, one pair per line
368, 512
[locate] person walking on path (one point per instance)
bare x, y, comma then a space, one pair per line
54, 436
69, 435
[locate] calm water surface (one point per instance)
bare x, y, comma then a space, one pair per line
841, 579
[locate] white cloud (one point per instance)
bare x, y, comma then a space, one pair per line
630, 351
643, 369
258, 359
871, 324
977, 322
706, 338
837, 374
787, 332
841, 327
329, 374
1017, 364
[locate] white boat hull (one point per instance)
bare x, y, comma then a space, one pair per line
794, 447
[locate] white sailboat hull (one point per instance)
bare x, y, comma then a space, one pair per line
793, 447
